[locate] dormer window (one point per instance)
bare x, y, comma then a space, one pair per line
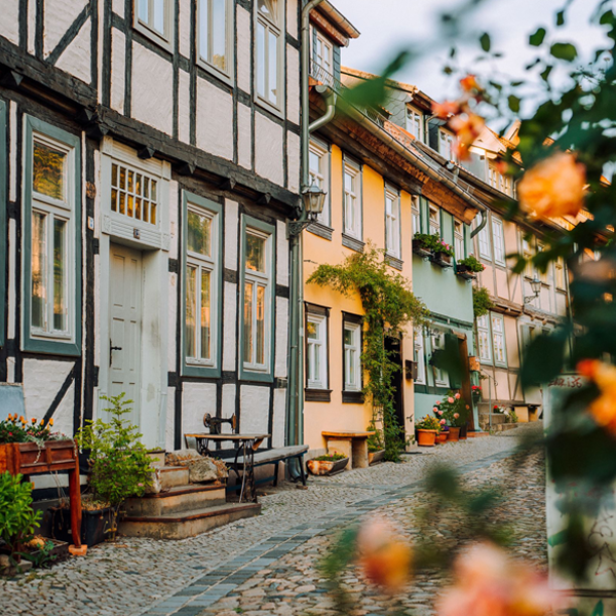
446, 145
322, 58
414, 123
269, 28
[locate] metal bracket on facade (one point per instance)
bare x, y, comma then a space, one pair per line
295, 228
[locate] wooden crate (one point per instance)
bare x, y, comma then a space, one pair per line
30, 459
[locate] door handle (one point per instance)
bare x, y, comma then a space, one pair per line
111, 349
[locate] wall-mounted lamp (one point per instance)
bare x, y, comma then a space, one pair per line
313, 198
535, 285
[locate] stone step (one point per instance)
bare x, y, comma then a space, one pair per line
188, 523
173, 477
177, 500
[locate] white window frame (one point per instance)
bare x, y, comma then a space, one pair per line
446, 145
209, 264
419, 356
498, 340
355, 328
258, 279
323, 71
392, 223
204, 59
484, 340
493, 176
277, 28
63, 210
146, 27
414, 120
352, 201
434, 220
317, 347
458, 239
498, 239
483, 240
321, 178
505, 183
415, 214
437, 340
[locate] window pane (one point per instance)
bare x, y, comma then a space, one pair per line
205, 314
199, 234
191, 311
59, 275
261, 59
204, 35
311, 330
142, 11
272, 52
315, 164
255, 253
348, 337
351, 367
159, 15
48, 171
39, 266
219, 34
248, 291
260, 325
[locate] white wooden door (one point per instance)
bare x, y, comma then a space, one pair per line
125, 290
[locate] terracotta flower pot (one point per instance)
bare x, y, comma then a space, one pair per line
454, 434
441, 437
426, 438
326, 467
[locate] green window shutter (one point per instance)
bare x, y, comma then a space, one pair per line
3, 255
336, 64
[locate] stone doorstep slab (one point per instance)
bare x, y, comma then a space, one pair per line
188, 523
173, 477
176, 500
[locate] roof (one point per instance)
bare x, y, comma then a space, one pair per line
335, 17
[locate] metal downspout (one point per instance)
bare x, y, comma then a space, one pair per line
482, 224
295, 431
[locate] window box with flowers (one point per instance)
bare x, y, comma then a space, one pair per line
423, 245
469, 268
433, 247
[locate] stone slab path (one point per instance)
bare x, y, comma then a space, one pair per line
244, 567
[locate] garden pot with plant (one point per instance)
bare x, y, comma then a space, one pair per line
469, 268
423, 244
119, 463
97, 520
454, 410
376, 441
427, 430
328, 464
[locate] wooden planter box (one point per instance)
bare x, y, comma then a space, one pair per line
441, 259
374, 457
465, 272
326, 467
420, 250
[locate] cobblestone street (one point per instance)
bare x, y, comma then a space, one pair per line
267, 565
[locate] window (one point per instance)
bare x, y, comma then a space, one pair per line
154, 18
414, 123
215, 40
441, 378
483, 238
483, 339
493, 176
559, 273
527, 252
498, 339
316, 351
446, 145
269, 28
392, 224
458, 239
352, 200
323, 58
134, 194
543, 276
505, 183
202, 286
257, 299
415, 212
319, 174
499, 241
434, 219
419, 357
52, 240
352, 356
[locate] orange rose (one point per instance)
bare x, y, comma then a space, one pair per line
445, 109
385, 558
467, 128
554, 187
469, 83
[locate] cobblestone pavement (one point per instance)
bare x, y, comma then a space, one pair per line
265, 565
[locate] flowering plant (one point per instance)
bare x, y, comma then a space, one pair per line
452, 409
472, 263
429, 423
434, 243
18, 429
476, 391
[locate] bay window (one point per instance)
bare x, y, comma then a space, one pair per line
202, 288
269, 36
215, 23
52, 257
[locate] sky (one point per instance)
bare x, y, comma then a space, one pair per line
387, 26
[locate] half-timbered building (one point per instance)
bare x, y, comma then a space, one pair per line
149, 161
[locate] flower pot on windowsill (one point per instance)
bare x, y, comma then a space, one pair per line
441, 259
426, 438
453, 434
464, 271
421, 250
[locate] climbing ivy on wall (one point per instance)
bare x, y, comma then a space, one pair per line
389, 305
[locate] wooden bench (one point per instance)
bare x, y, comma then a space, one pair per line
351, 444
275, 457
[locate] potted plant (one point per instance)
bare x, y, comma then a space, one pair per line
476, 393
423, 244
328, 464
454, 410
442, 253
469, 268
376, 443
427, 429
119, 463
